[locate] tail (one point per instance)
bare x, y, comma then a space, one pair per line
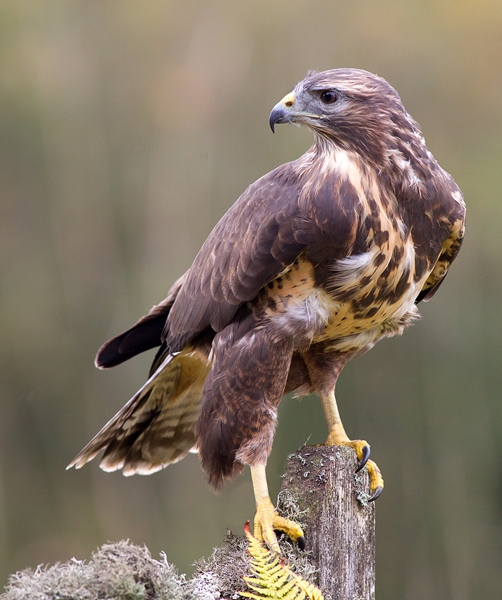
156, 427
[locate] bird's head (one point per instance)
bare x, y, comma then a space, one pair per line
351, 108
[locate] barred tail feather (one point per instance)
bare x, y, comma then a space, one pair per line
156, 427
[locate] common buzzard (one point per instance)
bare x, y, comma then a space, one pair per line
314, 263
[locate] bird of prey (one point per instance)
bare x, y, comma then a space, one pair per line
315, 262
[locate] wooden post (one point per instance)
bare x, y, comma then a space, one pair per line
339, 522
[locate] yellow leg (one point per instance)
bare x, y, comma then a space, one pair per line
266, 518
338, 437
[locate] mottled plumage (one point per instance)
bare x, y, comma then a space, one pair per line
313, 264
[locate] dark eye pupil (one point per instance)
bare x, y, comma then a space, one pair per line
329, 97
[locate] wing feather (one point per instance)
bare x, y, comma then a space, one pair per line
239, 257
450, 248
142, 336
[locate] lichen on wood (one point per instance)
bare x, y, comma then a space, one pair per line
124, 571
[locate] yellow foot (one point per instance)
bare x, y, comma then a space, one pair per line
362, 449
266, 520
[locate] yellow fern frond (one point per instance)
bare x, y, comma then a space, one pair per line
272, 579
309, 589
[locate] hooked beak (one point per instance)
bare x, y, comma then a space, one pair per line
282, 113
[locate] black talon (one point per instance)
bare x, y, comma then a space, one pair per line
302, 543
377, 493
364, 460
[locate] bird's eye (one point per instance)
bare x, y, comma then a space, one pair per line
329, 97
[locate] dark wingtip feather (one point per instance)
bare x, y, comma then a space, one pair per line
141, 337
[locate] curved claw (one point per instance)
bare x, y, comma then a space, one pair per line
301, 541
377, 493
376, 480
366, 451
267, 520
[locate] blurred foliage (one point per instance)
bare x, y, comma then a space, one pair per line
126, 130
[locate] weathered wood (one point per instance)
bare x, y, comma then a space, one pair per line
339, 522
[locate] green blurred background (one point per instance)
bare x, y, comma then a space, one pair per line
126, 130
